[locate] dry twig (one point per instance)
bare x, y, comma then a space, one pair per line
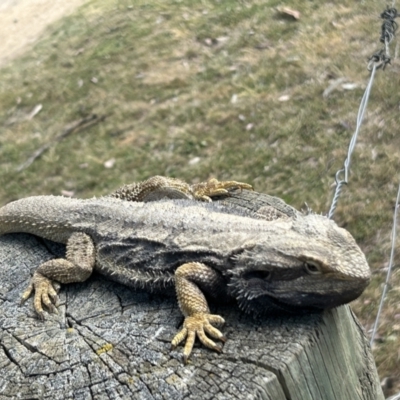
74, 126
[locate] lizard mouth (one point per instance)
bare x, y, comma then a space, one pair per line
266, 304
261, 301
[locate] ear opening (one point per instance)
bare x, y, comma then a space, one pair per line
246, 286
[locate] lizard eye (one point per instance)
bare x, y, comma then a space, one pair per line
312, 268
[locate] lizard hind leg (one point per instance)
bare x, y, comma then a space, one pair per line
162, 187
204, 191
76, 267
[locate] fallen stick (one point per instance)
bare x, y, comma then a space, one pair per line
74, 126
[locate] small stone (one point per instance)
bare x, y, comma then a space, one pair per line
109, 163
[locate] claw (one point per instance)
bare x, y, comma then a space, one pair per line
40, 315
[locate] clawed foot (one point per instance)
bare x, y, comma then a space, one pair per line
198, 325
213, 187
45, 292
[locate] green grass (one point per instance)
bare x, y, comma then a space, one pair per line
186, 81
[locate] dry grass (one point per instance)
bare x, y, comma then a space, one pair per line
194, 90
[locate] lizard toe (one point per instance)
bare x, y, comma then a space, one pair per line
198, 325
27, 293
179, 338
45, 294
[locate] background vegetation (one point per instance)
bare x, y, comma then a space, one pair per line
228, 89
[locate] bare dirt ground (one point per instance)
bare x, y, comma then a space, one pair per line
23, 21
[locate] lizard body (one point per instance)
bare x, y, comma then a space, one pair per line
284, 263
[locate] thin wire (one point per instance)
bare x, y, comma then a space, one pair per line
388, 30
380, 59
346, 166
385, 288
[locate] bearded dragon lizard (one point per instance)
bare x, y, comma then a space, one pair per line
278, 259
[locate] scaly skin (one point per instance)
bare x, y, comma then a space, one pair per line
161, 187
305, 261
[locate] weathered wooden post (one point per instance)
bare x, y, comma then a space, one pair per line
111, 342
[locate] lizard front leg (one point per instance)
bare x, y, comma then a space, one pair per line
193, 304
76, 267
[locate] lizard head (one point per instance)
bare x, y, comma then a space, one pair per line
313, 264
